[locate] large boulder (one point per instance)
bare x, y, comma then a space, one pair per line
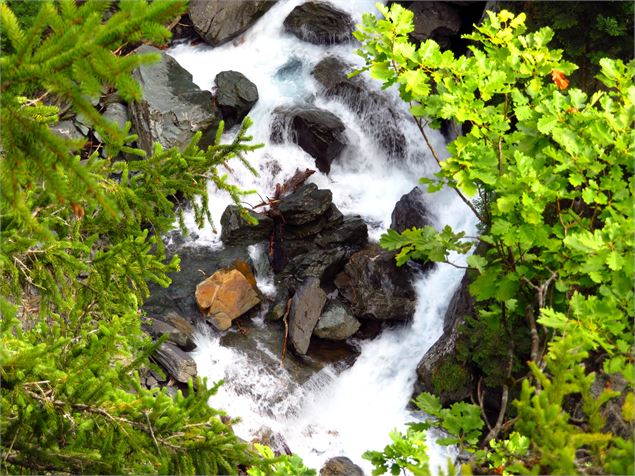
219, 21
304, 313
172, 108
440, 371
305, 205
340, 466
224, 296
410, 211
236, 230
336, 323
332, 75
318, 132
319, 23
235, 96
375, 287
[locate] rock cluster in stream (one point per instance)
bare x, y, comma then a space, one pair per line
332, 285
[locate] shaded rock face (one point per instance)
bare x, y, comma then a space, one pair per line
306, 308
305, 205
336, 323
445, 22
219, 21
237, 231
410, 211
318, 132
439, 21
375, 287
331, 74
172, 108
235, 96
340, 466
319, 23
224, 296
351, 230
439, 372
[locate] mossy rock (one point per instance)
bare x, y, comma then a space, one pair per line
450, 377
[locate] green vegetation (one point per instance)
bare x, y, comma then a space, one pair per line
585, 31
552, 168
81, 239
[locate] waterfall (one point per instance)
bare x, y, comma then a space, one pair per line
334, 412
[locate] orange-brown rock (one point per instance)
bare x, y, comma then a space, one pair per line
224, 296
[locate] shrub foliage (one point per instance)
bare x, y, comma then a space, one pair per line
552, 170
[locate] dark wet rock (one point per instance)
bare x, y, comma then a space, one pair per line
318, 132
336, 322
220, 21
236, 230
182, 337
330, 219
439, 371
305, 205
351, 230
410, 211
306, 308
332, 74
319, 23
314, 262
279, 306
340, 466
235, 96
375, 287
439, 21
172, 108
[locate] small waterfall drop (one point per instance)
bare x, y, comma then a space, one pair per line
334, 412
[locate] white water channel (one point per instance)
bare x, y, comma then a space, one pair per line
333, 413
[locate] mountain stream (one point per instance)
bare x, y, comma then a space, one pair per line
335, 412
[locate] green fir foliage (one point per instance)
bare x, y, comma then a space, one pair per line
81, 240
551, 167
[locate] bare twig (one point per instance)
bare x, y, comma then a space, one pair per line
438, 160
480, 394
501, 415
152, 432
285, 319
533, 332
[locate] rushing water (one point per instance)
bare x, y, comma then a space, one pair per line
333, 413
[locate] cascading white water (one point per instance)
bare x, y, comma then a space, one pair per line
332, 413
